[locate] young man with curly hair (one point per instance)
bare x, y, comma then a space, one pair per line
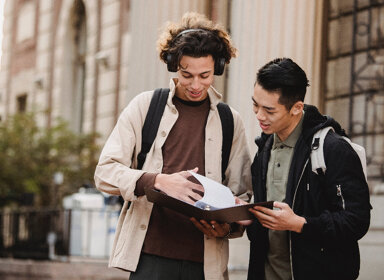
153, 242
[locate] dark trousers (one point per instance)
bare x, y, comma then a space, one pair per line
152, 267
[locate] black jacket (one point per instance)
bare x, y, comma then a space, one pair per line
327, 248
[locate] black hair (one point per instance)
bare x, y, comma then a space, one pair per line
199, 43
195, 36
284, 76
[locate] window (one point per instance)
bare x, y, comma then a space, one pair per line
354, 92
22, 103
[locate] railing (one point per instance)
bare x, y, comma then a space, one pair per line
54, 234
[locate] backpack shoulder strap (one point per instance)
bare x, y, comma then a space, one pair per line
317, 155
151, 123
227, 125
360, 151
317, 152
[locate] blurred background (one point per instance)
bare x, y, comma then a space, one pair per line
69, 67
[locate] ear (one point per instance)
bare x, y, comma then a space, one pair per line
297, 108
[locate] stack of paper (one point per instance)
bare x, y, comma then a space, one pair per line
216, 196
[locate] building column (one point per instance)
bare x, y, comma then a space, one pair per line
263, 30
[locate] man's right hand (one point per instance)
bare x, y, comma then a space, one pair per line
178, 186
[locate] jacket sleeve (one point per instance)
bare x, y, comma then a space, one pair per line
347, 213
238, 173
115, 172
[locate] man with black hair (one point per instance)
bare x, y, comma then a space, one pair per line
153, 242
317, 220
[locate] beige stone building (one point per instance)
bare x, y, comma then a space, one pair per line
84, 60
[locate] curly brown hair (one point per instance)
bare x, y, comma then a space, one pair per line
210, 39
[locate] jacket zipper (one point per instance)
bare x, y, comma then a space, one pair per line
339, 193
293, 203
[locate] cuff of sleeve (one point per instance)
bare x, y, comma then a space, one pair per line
147, 180
235, 230
229, 232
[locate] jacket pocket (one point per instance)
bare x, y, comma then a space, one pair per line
342, 262
120, 235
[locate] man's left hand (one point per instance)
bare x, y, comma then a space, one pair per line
282, 219
213, 228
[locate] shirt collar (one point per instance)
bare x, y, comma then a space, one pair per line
292, 138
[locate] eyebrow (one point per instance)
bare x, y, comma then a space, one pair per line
265, 107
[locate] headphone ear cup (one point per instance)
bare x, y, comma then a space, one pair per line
219, 66
171, 63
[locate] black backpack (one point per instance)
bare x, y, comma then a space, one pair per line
152, 122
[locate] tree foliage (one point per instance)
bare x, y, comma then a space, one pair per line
31, 155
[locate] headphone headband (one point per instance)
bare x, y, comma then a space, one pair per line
189, 30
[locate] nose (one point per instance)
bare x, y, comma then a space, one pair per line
260, 115
195, 83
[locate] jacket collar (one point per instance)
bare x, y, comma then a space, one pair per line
314, 121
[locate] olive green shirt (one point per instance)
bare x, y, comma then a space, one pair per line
277, 265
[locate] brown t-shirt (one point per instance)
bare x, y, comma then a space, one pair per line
171, 234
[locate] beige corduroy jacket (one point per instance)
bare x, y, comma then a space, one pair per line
116, 174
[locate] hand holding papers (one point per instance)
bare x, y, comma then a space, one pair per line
216, 196
177, 185
222, 204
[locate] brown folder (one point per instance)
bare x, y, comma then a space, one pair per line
225, 215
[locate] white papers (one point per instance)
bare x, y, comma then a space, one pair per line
216, 195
